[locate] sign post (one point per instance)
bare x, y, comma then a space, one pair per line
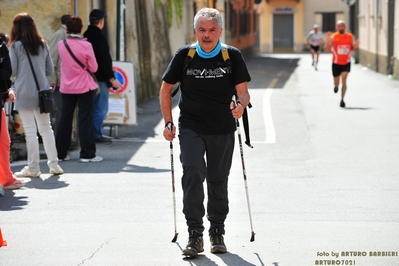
122, 102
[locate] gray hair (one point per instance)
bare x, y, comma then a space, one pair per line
209, 14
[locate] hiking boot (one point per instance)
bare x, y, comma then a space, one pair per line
217, 242
195, 244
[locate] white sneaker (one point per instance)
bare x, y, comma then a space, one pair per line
56, 170
65, 159
96, 159
25, 172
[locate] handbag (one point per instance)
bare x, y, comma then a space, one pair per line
46, 99
80, 64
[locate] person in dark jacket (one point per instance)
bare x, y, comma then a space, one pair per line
7, 178
105, 75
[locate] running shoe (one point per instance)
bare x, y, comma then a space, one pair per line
96, 159
25, 172
56, 170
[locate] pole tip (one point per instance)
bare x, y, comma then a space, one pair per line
252, 237
249, 144
175, 238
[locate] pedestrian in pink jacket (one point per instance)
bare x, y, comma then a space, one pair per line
77, 88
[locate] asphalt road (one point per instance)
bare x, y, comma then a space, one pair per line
323, 184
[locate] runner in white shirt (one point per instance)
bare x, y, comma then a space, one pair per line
313, 42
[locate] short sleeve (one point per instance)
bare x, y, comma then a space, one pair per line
174, 71
240, 70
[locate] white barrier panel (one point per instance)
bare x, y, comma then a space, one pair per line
122, 102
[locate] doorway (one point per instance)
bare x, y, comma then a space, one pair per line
283, 32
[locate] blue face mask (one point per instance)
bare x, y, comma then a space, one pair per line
211, 54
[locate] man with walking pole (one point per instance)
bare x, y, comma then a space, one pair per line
209, 77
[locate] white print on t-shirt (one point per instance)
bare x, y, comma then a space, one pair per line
315, 38
208, 73
343, 49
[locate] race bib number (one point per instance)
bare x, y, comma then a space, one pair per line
315, 42
343, 49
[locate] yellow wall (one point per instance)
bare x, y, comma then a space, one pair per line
265, 11
46, 14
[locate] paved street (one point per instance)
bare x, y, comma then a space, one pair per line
323, 183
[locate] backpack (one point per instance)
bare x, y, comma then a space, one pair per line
226, 58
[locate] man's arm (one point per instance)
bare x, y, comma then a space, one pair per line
355, 44
329, 42
165, 101
5, 72
308, 42
54, 79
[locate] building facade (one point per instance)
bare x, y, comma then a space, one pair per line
378, 27
285, 24
239, 29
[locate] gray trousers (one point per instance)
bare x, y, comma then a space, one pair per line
205, 157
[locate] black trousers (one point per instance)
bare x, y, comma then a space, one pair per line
58, 103
205, 157
84, 102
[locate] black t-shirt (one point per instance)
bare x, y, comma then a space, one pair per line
207, 87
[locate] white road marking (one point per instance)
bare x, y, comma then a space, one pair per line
268, 118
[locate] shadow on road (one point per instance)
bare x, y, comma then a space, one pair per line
228, 258
358, 108
53, 182
234, 259
12, 203
270, 71
132, 168
260, 260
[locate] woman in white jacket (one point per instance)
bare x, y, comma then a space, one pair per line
26, 38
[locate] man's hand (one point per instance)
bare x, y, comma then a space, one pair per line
236, 109
169, 131
11, 96
356, 44
115, 84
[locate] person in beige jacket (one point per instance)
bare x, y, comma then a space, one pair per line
54, 80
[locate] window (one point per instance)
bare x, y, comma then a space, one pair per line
328, 22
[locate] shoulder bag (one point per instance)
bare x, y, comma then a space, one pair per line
80, 63
46, 99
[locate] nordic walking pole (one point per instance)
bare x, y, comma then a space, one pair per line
245, 180
170, 125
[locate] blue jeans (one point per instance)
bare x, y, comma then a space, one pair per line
100, 109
